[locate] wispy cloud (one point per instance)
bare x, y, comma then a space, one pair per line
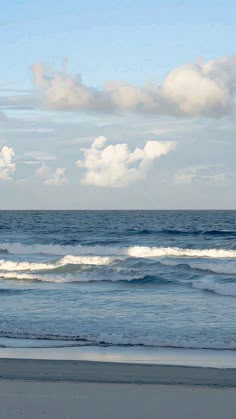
203, 174
117, 166
38, 156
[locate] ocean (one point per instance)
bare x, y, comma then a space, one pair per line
163, 279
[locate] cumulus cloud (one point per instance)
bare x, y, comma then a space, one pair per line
117, 166
62, 91
7, 165
205, 88
53, 178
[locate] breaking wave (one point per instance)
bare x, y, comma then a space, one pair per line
150, 252
119, 264
79, 277
97, 250
7, 265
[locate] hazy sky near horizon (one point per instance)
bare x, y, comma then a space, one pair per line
117, 104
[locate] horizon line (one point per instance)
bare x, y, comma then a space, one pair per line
123, 209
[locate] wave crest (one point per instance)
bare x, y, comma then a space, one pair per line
107, 251
226, 267
7, 265
150, 252
225, 289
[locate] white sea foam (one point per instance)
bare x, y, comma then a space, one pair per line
6, 265
25, 276
16, 275
66, 277
97, 250
150, 252
86, 260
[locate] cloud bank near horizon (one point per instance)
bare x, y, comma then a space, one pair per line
117, 166
206, 88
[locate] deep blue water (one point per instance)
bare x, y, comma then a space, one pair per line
152, 278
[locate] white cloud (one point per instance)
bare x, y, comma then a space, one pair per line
201, 174
53, 178
206, 88
117, 166
62, 91
7, 166
39, 156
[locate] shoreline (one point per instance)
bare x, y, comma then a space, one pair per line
110, 372
208, 358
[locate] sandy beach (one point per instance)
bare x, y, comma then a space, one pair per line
65, 400
89, 390
117, 373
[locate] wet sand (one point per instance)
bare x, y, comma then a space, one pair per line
110, 372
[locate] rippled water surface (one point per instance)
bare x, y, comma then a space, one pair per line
151, 278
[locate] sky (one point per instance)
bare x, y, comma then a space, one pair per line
117, 105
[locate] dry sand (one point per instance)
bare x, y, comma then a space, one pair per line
37, 389
65, 400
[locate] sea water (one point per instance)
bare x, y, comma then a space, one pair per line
118, 278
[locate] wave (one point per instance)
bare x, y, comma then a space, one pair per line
228, 268
107, 251
118, 339
225, 289
83, 277
23, 276
221, 288
4, 291
150, 252
219, 233
3, 251
7, 265
177, 232
54, 249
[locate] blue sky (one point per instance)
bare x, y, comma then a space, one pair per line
105, 40
117, 41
